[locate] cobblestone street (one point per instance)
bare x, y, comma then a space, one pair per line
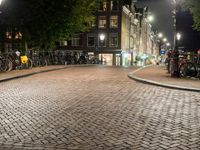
96, 108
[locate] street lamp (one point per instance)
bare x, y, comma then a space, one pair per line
160, 35
102, 38
1, 1
150, 18
174, 17
168, 44
178, 36
174, 63
165, 40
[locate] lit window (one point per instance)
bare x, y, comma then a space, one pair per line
114, 4
90, 40
103, 5
63, 43
9, 35
102, 21
92, 22
18, 35
76, 40
113, 40
113, 21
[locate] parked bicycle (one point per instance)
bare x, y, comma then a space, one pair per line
18, 61
188, 68
4, 64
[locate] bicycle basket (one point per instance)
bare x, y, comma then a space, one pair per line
24, 59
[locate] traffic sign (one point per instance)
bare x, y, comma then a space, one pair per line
162, 51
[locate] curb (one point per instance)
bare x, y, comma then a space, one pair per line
42, 71
170, 86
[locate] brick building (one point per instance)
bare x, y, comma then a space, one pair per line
115, 21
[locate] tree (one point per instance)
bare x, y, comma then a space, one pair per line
44, 22
194, 7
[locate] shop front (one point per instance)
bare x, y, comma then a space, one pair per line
126, 59
106, 59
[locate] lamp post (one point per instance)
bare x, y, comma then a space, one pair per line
102, 38
178, 38
174, 63
149, 18
174, 16
160, 36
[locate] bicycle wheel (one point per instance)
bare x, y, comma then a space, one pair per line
191, 70
3, 65
36, 63
43, 62
182, 70
28, 65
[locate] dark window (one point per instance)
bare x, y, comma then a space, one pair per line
113, 40
103, 5
91, 41
76, 40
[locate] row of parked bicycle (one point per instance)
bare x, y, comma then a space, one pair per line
188, 65
189, 68
17, 60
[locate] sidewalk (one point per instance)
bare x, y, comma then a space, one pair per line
7, 76
157, 75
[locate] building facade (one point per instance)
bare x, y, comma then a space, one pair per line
114, 21
117, 36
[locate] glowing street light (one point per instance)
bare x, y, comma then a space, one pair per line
165, 40
102, 37
178, 36
168, 44
160, 35
150, 18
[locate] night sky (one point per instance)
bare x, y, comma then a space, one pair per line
162, 10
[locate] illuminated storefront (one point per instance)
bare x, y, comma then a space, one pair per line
106, 59
126, 59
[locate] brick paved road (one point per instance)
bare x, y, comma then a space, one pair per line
96, 108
